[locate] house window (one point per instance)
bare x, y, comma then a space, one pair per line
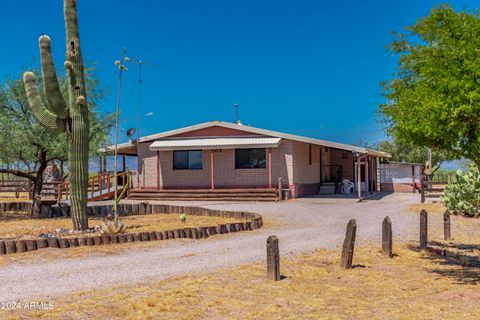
250, 158
310, 154
187, 160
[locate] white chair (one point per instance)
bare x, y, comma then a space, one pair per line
347, 186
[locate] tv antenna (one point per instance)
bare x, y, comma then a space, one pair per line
140, 64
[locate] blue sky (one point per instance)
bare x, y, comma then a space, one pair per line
306, 67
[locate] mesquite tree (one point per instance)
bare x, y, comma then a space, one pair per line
69, 116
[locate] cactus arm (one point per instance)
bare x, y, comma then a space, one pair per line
54, 95
42, 113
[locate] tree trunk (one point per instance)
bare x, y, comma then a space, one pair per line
38, 186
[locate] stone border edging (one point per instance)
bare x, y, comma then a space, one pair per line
254, 221
15, 206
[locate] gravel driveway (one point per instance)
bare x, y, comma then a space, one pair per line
301, 225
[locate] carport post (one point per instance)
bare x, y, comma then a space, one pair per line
212, 168
359, 179
270, 167
367, 178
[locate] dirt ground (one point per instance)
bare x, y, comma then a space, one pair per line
412, 285
224, 277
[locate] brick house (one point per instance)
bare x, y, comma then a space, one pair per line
218, 155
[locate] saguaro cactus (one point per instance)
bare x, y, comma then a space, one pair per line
61, 116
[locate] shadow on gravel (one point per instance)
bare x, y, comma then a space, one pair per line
461, 273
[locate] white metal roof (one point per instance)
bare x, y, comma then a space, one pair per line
215, 143
341, 146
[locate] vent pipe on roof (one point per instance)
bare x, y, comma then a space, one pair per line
235, 109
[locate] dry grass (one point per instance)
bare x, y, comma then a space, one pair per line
21, 225
413, 285
464, 230
16, 226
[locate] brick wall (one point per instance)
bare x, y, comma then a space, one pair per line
289, 161
398, 187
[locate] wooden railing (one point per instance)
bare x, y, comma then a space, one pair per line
431, 189
99, 187
17, 186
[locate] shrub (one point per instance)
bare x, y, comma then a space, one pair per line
462, 194
183, 217
112, 227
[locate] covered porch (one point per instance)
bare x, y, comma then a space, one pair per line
208, 168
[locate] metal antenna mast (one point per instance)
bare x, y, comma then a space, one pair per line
139, 94
139, 104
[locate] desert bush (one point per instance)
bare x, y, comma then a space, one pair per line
462, 194
112, 227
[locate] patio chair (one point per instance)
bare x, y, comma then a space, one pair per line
347, 186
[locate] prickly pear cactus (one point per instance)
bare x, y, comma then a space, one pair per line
70, 117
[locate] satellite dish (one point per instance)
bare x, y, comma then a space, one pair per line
130, 132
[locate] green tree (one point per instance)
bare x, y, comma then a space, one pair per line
31, 145
434, 98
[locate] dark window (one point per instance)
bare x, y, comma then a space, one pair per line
250, 158
187, 160
309, 154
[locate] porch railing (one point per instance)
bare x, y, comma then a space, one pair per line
99, 187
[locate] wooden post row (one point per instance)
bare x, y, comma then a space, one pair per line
423, 229
387, 244
446, 225
273, 259
349, 244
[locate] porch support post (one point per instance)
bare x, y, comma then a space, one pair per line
158, 170
212, 168
270, 167
124, 165
100, 164
105, 169
367, 176
359, 178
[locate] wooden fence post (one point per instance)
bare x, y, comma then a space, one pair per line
423, 229
349, 244
273, 259
422, 189
280, 189
446, 225
387, 242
